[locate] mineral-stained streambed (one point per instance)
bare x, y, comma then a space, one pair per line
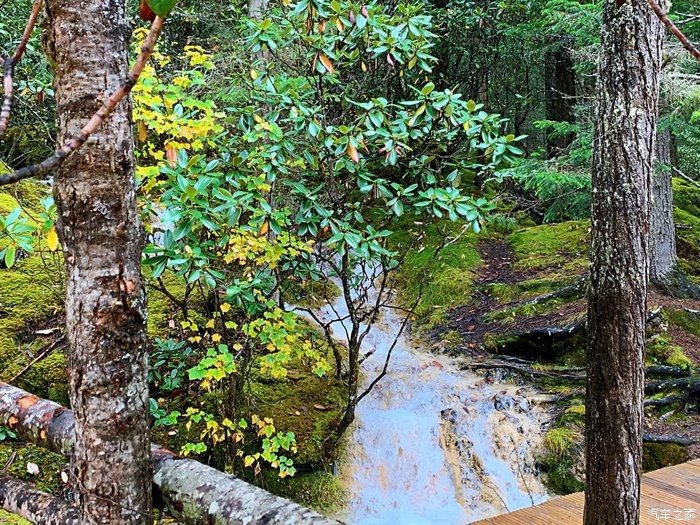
433, 444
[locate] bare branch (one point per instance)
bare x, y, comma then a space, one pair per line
9, 67
673, 28
97, 119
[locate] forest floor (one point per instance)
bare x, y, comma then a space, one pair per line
529, 319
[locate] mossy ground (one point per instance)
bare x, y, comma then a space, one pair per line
433, 277
686, 199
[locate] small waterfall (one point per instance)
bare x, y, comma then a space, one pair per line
433, 444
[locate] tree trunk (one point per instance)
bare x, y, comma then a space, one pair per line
87, 41
662, 241
256, 8
560, 93
624, 150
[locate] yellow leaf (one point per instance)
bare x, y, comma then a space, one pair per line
143, 131
225, 307
52, 239
254, 74
326, 63
352, 152
264, 229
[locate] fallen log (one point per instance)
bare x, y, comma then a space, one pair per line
688, 384
666, 370
664, 401
24, 500
675, 439
193, 493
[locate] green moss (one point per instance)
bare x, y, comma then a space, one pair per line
7, 203
561, 478
50, 465
686, 200
661, 351
31, 293
688, 321
560, 248
312, 294
660, 455
307, 405
319, 490
440, 282
451, 339
10, 519
160, 307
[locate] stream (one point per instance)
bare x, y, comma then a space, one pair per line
433, 444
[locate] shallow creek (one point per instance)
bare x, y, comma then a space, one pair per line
433, 444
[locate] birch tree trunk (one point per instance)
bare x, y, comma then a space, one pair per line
87, 42
624, 152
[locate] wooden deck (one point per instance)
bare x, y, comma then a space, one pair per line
669, 495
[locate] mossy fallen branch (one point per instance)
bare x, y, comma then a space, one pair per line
22, 499
193, 493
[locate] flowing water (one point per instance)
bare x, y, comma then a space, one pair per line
433, 444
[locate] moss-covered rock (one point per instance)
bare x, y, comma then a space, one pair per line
307, 405
441, 282
660, 455
559, 250
50, 465
686, 200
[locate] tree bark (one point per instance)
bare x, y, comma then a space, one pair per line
664, 260
624, 151
24, 500
87, 42
560, 93
193, 493
257, 8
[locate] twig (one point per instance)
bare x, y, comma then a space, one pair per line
673, 28
97, 119
41, 355
9, 67
684, 176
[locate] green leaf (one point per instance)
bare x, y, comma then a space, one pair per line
161, 7
10, 255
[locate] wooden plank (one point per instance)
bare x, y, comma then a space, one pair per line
668, 489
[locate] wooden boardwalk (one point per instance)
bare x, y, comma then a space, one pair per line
669, 495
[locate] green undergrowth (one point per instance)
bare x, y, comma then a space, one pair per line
441, 281
561, 453
660, 455
304, 404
